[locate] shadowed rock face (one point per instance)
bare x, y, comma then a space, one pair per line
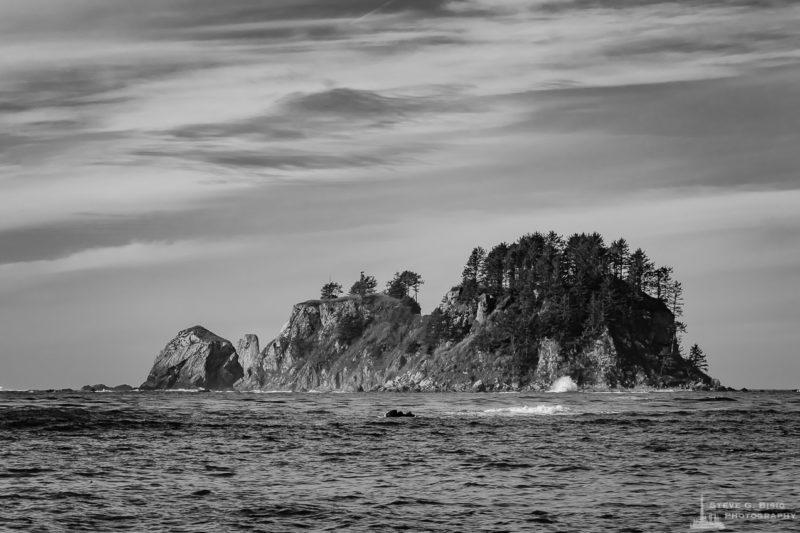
196, 358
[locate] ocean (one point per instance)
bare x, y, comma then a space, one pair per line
550, 462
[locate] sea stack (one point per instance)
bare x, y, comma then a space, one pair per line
195, 359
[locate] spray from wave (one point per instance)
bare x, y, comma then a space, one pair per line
564, 384
541, 409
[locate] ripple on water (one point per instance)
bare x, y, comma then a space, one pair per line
206, 462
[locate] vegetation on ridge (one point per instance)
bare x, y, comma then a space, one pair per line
569, 290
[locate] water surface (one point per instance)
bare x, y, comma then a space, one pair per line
183, 461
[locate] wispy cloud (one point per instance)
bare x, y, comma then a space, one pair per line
128, 125
129, 256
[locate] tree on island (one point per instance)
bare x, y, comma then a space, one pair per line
618, 257
568, 289
365, 285
403, 284
697, 358
493, 271
331, 291
473, 275
640, 271
662, 279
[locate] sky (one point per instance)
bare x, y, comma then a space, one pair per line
166, 163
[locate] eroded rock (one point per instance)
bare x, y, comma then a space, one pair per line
195, 359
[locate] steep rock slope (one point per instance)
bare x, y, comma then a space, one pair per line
195, 358
349, 344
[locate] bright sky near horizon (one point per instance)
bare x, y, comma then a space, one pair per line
166, 163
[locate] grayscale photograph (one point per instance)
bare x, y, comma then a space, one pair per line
399, 265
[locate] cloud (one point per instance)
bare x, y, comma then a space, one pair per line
130, 128
279, 160
350, 103
300, 116
129, 256
50, 195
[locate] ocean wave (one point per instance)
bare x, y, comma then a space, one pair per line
540, 409
564, 384
629, 391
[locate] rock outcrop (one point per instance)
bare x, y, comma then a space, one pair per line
254, 374
105, 388
195, 359
394, 413
596, 367
349, 344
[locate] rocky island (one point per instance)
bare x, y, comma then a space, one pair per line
524, 315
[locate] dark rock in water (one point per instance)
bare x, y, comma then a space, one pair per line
745, 389
105, 388
195, 359
717, 399
394, 413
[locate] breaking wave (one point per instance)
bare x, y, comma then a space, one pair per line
541, 409
564, 384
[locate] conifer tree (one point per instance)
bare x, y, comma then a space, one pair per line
662, 278
331, 291
698, 358
618, 257
472, 277
364, 286
474, 269
403, 284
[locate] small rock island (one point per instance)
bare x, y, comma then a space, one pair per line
523, 315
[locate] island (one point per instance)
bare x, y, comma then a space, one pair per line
524, 315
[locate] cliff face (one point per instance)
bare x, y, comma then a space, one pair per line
195, 359
595, 367
348, 344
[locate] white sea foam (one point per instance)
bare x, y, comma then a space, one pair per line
564, 384
541, 409
631, 391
